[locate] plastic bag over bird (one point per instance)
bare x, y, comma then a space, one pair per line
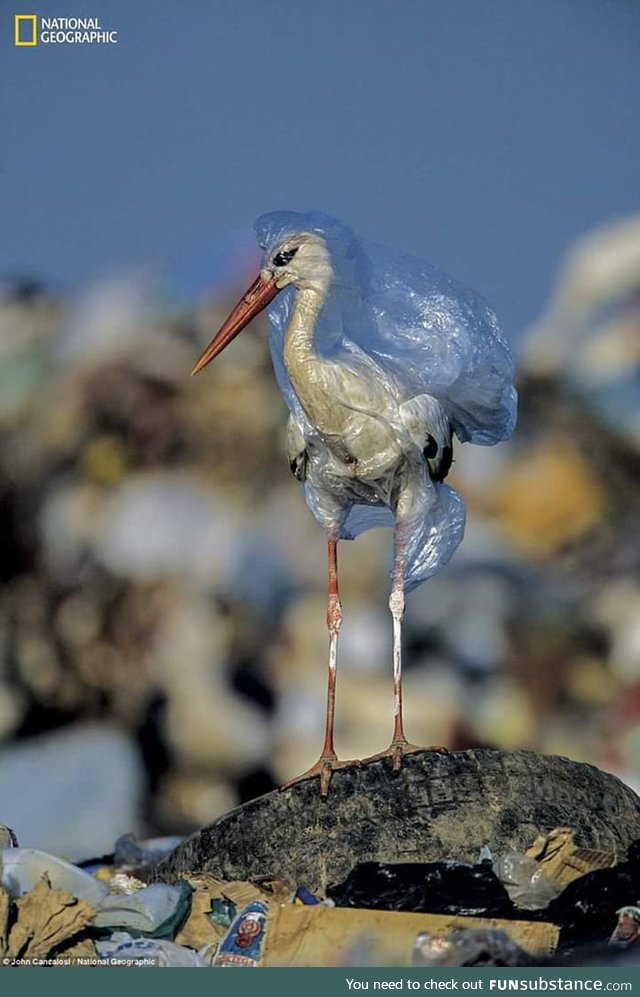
404, 323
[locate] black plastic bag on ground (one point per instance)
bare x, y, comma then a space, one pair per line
425, 887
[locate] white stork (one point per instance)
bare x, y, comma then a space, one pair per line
361, 432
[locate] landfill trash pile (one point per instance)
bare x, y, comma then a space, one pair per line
107, 912
159, 578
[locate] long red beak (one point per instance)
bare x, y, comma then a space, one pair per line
251, 303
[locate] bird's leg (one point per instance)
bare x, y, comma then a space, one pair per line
399, 745
334, 622
328, 761
396, 606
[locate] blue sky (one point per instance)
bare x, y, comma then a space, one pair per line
484, 136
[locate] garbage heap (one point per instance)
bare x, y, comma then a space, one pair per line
557, 903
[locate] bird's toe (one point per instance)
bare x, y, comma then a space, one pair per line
324, 769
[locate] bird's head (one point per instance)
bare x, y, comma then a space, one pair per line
301, 258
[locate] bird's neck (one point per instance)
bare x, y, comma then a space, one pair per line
299, 346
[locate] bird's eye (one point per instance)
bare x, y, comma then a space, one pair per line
284, 256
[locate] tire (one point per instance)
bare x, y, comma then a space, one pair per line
439, 806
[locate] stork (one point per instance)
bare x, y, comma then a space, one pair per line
363, 437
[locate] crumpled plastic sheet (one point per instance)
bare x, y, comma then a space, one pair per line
122, 949
21, 869
132, 854
156, 911
525, 882
402, 325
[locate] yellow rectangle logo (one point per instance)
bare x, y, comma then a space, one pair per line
19, 33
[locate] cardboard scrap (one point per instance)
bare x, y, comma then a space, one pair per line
46, 919
323, 936
240, 891
84, 949
561, 859
199, 930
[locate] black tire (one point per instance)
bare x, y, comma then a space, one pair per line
439, 806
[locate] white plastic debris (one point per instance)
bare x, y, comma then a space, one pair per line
22, 868
121, 949
525, 881
157, 910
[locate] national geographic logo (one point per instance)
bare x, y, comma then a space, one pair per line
25, 30
30, 30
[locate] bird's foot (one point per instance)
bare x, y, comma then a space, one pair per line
396, 751
324, 767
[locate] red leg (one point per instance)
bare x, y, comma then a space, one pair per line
334, 622
328, 762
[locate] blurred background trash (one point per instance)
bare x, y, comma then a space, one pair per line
137, 856
85, 779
